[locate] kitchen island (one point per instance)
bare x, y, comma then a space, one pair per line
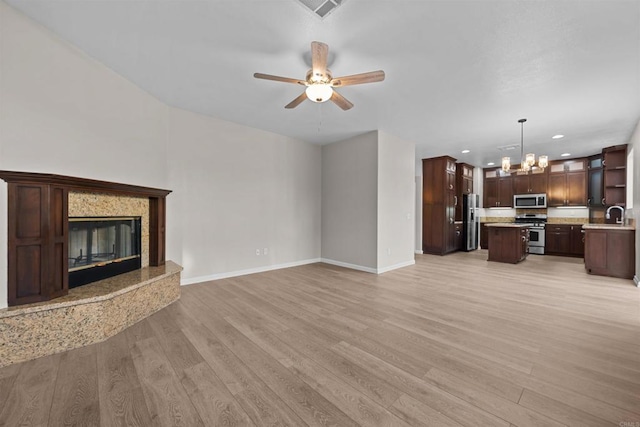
508, 242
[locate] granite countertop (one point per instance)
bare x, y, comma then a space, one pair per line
507, 225
100, 290
608, 227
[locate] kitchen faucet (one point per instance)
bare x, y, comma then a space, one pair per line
608, 215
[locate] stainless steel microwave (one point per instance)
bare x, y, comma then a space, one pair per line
529, 201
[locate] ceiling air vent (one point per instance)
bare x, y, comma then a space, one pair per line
321, 7
508, 147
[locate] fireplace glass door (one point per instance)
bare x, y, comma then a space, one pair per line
102, 247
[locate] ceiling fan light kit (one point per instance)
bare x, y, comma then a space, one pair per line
320, 83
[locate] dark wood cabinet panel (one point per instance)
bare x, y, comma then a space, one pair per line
498, 188
532, 182
564, 239
508, 244
157, 230
484, 236
458, 241
505, 191
464, 185
567, 183
610, 252
439, 205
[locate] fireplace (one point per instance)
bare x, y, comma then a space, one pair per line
102, 247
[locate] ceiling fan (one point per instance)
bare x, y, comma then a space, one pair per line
320, 83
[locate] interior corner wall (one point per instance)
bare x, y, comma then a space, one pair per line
396, 202
349, 202
634, 149
238, 190
63, 112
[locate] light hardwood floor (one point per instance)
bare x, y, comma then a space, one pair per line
451, 341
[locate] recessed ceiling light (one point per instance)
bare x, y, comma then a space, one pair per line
465, 151
557, 136
490, 164
565, 154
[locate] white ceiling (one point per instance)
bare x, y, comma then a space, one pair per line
459, 73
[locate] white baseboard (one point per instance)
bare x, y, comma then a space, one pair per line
347, 265
396, 266
200, 279
636, 280
419, 252
210, 277
368, 269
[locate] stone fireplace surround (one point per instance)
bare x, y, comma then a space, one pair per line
96, 311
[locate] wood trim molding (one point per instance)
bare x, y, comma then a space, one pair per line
82, 184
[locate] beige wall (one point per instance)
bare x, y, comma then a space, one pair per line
396, 202
368, 202
238, 190
350, 202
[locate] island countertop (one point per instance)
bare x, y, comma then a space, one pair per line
506, 225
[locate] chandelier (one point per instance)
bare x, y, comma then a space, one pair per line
528, 161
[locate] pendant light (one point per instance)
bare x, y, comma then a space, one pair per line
528, 161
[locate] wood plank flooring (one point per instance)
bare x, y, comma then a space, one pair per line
451, 341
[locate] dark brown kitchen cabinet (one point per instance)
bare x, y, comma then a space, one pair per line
508, 244
464, 185
484, 236
564, 239
610, 252
498, 188
615, 175
567, 183
458, 236
531, 182
439, 201
595, 182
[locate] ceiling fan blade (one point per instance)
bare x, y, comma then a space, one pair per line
341, 101
278, 78
319, 55
356, 79
297, 101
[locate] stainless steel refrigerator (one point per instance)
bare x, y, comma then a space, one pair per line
470, 222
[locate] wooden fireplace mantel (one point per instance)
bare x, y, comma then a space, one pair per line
38, 230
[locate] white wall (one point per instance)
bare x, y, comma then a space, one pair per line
238, 190
634, 197
350, 202
396, 202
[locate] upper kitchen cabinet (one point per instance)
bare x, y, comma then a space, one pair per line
498, 188
615, 175
595, 187
567, 183
531, 182
464, 185
439, 201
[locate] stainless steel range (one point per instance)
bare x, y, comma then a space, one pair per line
536, 223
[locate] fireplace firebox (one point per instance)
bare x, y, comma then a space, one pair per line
103, 247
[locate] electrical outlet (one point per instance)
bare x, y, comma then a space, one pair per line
265, 251
388, 251
258, 252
